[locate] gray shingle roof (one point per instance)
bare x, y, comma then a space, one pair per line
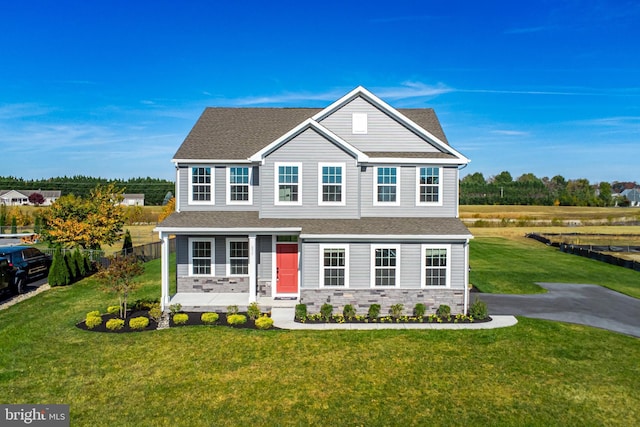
363, 226
238, 133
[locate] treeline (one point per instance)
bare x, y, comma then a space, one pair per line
528, 189
154, 189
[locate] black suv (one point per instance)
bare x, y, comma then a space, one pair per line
6, 275
28, 264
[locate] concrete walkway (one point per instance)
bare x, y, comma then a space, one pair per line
283, 319
590, 305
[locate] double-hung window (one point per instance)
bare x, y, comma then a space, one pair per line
385, 262
436, 266
334, 261
332, 184
288, 178
237, 257
201, 185
201, 258
239, 185
387, 186
428, 186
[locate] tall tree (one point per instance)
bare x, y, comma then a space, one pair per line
90, 222
605, 194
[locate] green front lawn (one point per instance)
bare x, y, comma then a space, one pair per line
535, 373
513, 266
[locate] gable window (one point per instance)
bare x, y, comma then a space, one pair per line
334, 266
385, 266
359, 123
435, 266
332, 183
386, 186
288, 183
428, 186
239, 185
237, 257
201, 185
201, 257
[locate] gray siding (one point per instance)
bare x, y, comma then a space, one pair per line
410, 269
408, 184
384, 133
265, 257
309, 148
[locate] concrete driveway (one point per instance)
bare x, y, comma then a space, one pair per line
589, 305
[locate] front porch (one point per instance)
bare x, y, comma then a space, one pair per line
208, 301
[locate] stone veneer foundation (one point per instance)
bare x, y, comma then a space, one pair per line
361, 299
214, 284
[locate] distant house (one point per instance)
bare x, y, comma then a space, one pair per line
133, 200
633, 195
21, 197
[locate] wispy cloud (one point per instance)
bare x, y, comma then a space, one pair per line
507, 132
22, 110
612, 121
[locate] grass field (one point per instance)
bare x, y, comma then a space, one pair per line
547, 212
535, 373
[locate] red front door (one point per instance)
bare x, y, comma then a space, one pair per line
287, 268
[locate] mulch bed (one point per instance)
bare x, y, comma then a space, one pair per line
194, 320
385, 320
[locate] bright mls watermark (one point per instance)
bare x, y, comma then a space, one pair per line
34, 415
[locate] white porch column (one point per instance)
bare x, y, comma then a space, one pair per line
253, 280
164, 272
466, 276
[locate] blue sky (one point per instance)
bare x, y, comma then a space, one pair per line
112, 88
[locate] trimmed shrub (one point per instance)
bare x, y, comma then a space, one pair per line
419, 310
301, 312
478, 310
326, 311
444, 311
115, 324
138, 323
209, 318
232, 309
236, 319
349, 311
93, 321
264, 322
93, 313
253, 311
175, 309
113, 309
180, 318
374, 311
396, 310
155, 313
58, 273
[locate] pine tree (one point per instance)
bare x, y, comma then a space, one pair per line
14, 225
80, 262
58, 273
71, 266
127, 247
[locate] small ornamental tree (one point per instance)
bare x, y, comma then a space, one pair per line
72, 267
127, 247
167, 209
58, 273
118, 278
3, 218
36, 199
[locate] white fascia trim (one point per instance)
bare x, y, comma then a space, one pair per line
237, 230
457, 238
309, 123
393, 112
412, 160
187, 162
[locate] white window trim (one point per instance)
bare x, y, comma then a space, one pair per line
228, 185
212, 186
423, 265
343, 185
228, 256
346, 265
213, 256
440, 172
359, 123
373, 265
375, 186
276, 186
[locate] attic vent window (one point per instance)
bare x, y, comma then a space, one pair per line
359, 123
